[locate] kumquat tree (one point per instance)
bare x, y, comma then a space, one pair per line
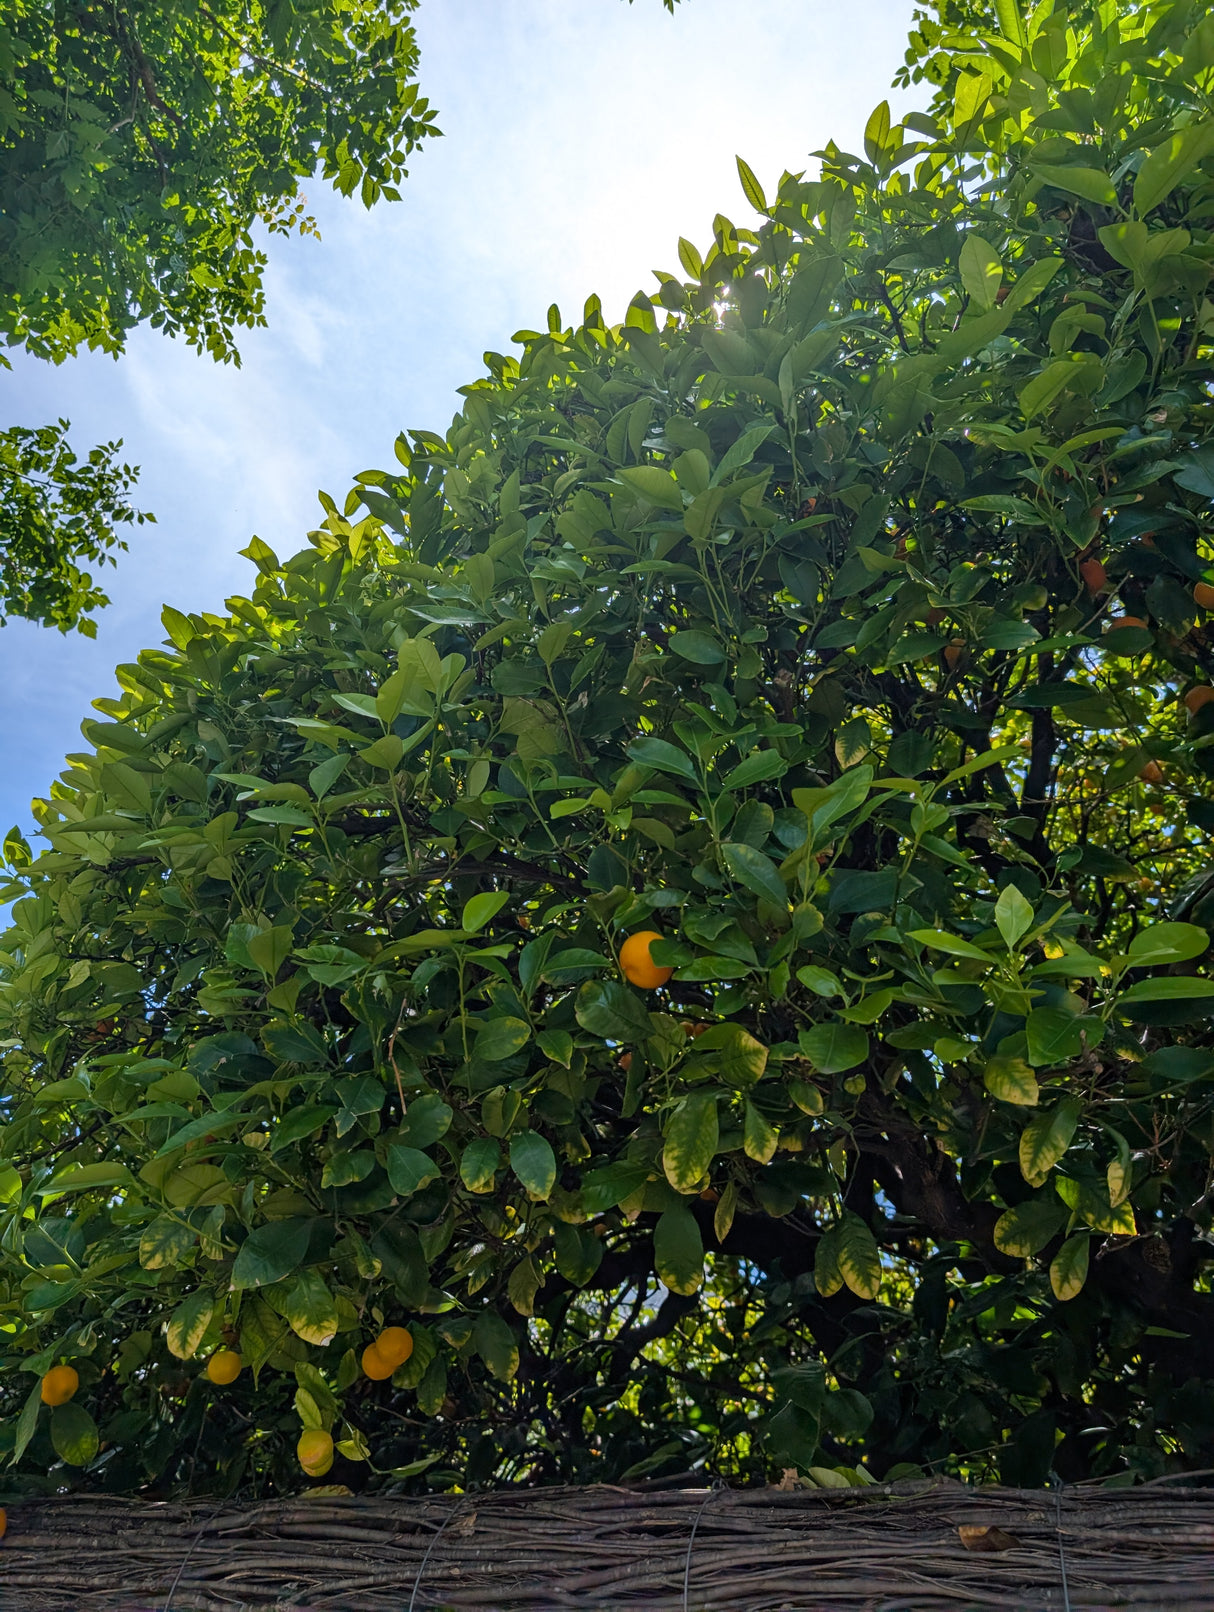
674, 936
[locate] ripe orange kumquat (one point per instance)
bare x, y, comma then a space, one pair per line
59, 1385
638, 964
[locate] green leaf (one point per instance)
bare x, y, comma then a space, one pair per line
952, 944
605, 1188
859, 1258
1054, 1036
427, 1119
478, 911
981, 271
496, 1344
697, 647
269, 948
731, 1053
757, 872
742, 451
498, 1039
1031, 282
1024, 1230
657, 486
1168, 164
1167, 943
678, 1251
409, 1169
610, 1010
271, 1252
758, 768
1056, 378
834, 1047
1046, 1138
27, 1422
752, 187
84, 1177
189, 1322
876, 133
690, 1139
1167, 988
1093, 184
690, 258
1069, 1267
556, 1045
74, 1434
1012, 1081
664, 757
310, 1310
1013, 915
479, 1163
534, 1162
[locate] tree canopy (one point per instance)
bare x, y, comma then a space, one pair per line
56, 511
139, 147
843, 617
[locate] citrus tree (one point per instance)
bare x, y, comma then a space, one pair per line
672, 935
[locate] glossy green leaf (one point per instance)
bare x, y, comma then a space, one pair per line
678, 1251
74, 1434
270, 1252
534, 1162
833, 1047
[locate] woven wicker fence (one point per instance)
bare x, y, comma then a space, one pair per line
909, 1547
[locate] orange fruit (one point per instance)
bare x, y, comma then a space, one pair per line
395, 1344
1147, 540
1200, 694
626, 1062
638, 966
224, 1366
315, 1451
1203, 594
375, 1365
1125, 621
1152, 773
59, 1384
1094, 575
953, 653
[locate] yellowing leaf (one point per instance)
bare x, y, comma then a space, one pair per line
859, 1258
1069, 1267
1012, 1081
691, 1137
1046, 1138
1024, 1230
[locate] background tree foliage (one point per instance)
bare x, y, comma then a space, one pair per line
140, 147
781, 619
56, 511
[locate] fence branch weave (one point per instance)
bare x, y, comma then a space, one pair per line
895, 1549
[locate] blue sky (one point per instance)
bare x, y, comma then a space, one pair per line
582, 138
